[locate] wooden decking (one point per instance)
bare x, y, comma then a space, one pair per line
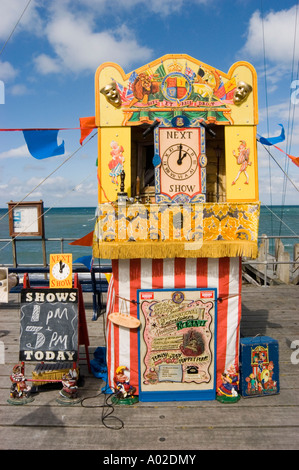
267, 423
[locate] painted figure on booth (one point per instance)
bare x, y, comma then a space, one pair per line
116, 164
242, 159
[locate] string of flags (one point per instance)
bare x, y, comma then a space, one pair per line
43, 143
276, 140
272, 140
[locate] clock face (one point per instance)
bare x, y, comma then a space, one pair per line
179, 162
182, 159
60, 271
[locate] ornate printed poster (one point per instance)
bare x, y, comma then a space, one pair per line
177, 343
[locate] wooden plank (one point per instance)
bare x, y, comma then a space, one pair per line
154, 438
186, 416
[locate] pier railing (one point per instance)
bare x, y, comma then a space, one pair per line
273, 265
91, 280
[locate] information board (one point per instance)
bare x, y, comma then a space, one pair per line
49, 325
26, 218
177, 344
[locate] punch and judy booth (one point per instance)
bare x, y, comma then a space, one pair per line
178, 208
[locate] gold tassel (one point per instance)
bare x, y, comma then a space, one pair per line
161, 250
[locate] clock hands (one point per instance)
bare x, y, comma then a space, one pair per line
180, 159
61, 266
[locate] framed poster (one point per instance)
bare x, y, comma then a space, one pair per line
177, 344
26, 218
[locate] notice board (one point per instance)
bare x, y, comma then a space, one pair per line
49, 325
177, 344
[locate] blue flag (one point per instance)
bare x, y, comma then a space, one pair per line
43, 143
86, 260
272, 140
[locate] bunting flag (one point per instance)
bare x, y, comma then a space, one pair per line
87, 124
276, 140
272, 140
294, 159
43, 143
86, 260
224, 274
87, 240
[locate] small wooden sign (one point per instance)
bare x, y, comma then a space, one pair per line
61, 271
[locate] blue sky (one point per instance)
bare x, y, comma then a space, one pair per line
49, 62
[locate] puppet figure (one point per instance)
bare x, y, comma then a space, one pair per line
19, 390
69, 385
124, 391
228, 390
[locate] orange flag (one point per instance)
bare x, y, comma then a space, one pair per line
84, 241
294, 159
86, 126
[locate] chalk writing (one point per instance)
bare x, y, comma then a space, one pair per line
49, 325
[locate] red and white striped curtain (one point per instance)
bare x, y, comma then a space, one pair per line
224, 274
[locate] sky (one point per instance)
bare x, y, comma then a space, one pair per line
49, 53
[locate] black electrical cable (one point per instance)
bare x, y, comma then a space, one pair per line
107, 410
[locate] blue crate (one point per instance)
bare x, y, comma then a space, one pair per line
259, 366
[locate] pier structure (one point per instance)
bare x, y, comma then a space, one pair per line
266, 423
272, 269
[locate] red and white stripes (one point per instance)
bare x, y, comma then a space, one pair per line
224, 274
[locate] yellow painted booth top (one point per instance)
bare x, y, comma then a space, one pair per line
177, 133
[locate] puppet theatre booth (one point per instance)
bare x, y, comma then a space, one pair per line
178, 209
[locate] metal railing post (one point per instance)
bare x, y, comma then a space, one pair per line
266, 260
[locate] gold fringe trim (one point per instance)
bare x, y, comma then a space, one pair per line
162, 249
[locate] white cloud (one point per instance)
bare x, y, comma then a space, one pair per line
45, 64
79, 46
17, 152
77, 33
7, 71
56, 183
287, 114
18, 90
89, 188
14, 19
277, 32
165, 7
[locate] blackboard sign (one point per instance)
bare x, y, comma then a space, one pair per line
49, 325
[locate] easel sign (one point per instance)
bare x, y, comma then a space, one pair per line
49, 325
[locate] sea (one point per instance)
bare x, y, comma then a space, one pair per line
76, 222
